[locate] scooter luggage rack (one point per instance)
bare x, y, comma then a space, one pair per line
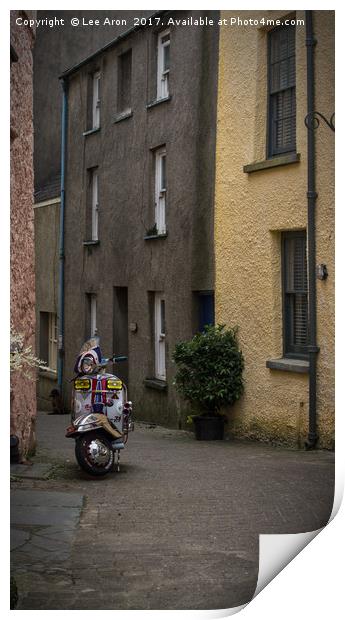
108, 390
112, 392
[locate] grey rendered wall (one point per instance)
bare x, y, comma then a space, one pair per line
177, 265
57, 49
46, 272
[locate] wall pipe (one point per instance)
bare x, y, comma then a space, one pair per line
61, 294
313, 349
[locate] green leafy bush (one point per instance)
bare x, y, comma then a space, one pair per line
209, 369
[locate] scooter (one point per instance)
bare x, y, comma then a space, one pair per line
101, 414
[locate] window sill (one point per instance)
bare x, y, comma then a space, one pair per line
290, 365
91, 131
47, 373
152, 104
91, 242
158, 236
279, 160
156, 384
122, 116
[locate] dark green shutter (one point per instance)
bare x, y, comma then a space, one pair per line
295, 294
281, 91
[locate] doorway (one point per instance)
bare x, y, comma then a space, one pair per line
120, 330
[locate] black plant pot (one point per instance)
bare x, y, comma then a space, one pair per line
208, 427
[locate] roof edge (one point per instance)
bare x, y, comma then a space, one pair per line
108, 46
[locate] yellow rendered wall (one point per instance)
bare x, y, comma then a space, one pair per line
252, 209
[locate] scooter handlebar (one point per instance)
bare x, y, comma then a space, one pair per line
108, 360
120, 358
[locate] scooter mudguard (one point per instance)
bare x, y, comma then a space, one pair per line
91, 422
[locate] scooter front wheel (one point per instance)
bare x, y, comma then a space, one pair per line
94, 453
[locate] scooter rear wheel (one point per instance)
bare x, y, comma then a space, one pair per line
94, 453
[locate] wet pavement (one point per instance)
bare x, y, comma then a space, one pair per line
177, 528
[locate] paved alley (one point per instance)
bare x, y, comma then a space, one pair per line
177, 528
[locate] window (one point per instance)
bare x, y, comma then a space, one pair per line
96, 101
205, 309
124, 82
160, 190
163, 64
295, 294
281, 91
48, 339
52, 341
94, 204
93, 315
159, 321
91, 323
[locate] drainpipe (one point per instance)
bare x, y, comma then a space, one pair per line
312, 196
61, 293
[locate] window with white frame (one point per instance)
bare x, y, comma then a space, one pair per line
159, 309
96, 100
53, 339
49, 339
163, 64
160, 190
94, 204
93, 314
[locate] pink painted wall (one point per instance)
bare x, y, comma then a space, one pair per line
23, 390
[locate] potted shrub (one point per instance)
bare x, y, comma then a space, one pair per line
209, 376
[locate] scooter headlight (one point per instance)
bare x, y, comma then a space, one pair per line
82, 384
114, 384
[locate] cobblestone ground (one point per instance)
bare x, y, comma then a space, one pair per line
177, 528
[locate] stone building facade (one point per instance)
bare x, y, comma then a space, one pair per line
70, 45
261, 231
189, 177
139, 267
23, 388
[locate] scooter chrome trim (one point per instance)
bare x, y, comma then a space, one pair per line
92, 421
98, 453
